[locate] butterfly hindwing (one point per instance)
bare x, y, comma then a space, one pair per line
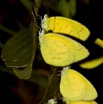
59, 50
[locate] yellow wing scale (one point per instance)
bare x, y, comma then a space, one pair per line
58, 50
75, 87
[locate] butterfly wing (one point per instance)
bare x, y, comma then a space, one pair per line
81, 102
92, 63
75, 87
99, 42
72, 86
66, 26
58, 50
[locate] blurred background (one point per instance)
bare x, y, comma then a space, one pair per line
15, 15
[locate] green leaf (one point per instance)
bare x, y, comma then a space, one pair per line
67, 8
73, 7
19, 50
64, 8
26, 3
23, 73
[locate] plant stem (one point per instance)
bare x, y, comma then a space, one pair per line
7, 30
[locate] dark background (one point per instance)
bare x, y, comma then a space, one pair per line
90, 15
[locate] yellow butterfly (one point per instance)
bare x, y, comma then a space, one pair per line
65, 26
95, 62
57, 49
81, 102
75, 87
99, 42
92, 63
